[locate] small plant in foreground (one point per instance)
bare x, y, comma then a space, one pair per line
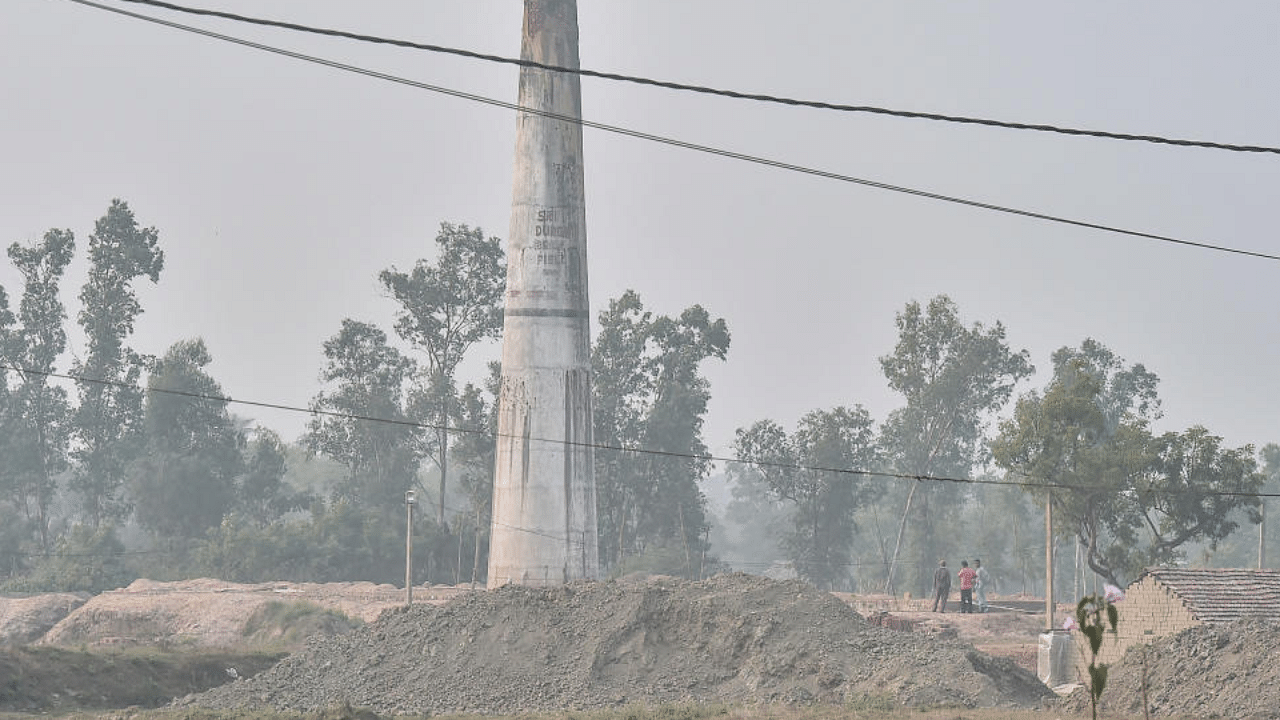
1095, 616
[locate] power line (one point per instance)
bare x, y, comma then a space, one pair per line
781, 165
705, 90
1029, 483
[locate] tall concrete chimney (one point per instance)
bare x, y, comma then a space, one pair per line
544, 494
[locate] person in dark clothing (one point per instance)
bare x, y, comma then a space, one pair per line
941, 586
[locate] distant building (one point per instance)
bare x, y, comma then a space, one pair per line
1164, 601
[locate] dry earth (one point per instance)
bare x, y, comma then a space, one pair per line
26, 618
733, 638
203, 612
1011, 629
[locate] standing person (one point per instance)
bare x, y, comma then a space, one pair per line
941, 585
983, 582
966, 586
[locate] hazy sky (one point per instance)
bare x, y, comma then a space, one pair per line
280, 188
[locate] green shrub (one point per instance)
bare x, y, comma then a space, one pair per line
289, 624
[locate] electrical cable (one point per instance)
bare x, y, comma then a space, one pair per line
705, 90
1030, 483
781, 165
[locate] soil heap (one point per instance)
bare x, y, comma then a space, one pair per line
735, 638
206, 612
26, 618
1206, 671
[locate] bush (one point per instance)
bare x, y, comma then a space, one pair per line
84, 560
338, 543
289, 624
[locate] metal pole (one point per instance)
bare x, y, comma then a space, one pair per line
1048, 562
409, 501
1262, 536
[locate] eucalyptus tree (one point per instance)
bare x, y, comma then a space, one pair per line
1130, 499
262, 495
37, 437
108, 419
11, 523
1268, 545
952, 378
649, 393
816, 470
445, 309
8, 354
475, 454
360, 418
1197, 489
184, 480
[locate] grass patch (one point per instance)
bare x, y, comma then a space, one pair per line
287, 625
60, 680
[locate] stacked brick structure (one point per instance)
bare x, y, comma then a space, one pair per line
1164, 601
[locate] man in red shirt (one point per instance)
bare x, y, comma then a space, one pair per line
967, 575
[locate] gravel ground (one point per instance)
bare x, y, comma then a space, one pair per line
1228, 671
734, 638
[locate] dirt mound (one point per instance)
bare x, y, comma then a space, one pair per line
25, 619
730, 638
1206, 671
211, 613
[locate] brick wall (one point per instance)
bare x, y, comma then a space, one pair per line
1148, 611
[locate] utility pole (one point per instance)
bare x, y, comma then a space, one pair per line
410, 499
1048, 562
1262, 537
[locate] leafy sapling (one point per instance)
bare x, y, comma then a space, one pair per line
1095, 616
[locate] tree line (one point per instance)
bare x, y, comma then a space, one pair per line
146, 471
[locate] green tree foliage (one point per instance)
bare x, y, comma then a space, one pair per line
446, 308
1192, 491
7, 340
361, 421
1134, 499
1268, 537
12, 524
750, 532
84, 559
262, 495
340, 542
804, 469
1064, 436
952, 378
1247, 546
36, 438
474, 453
1005, 529
184, 481
649, 392
108, 420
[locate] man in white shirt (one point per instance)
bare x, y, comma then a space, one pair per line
983, 580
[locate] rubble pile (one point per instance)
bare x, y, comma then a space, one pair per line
1226, 671
733, 638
